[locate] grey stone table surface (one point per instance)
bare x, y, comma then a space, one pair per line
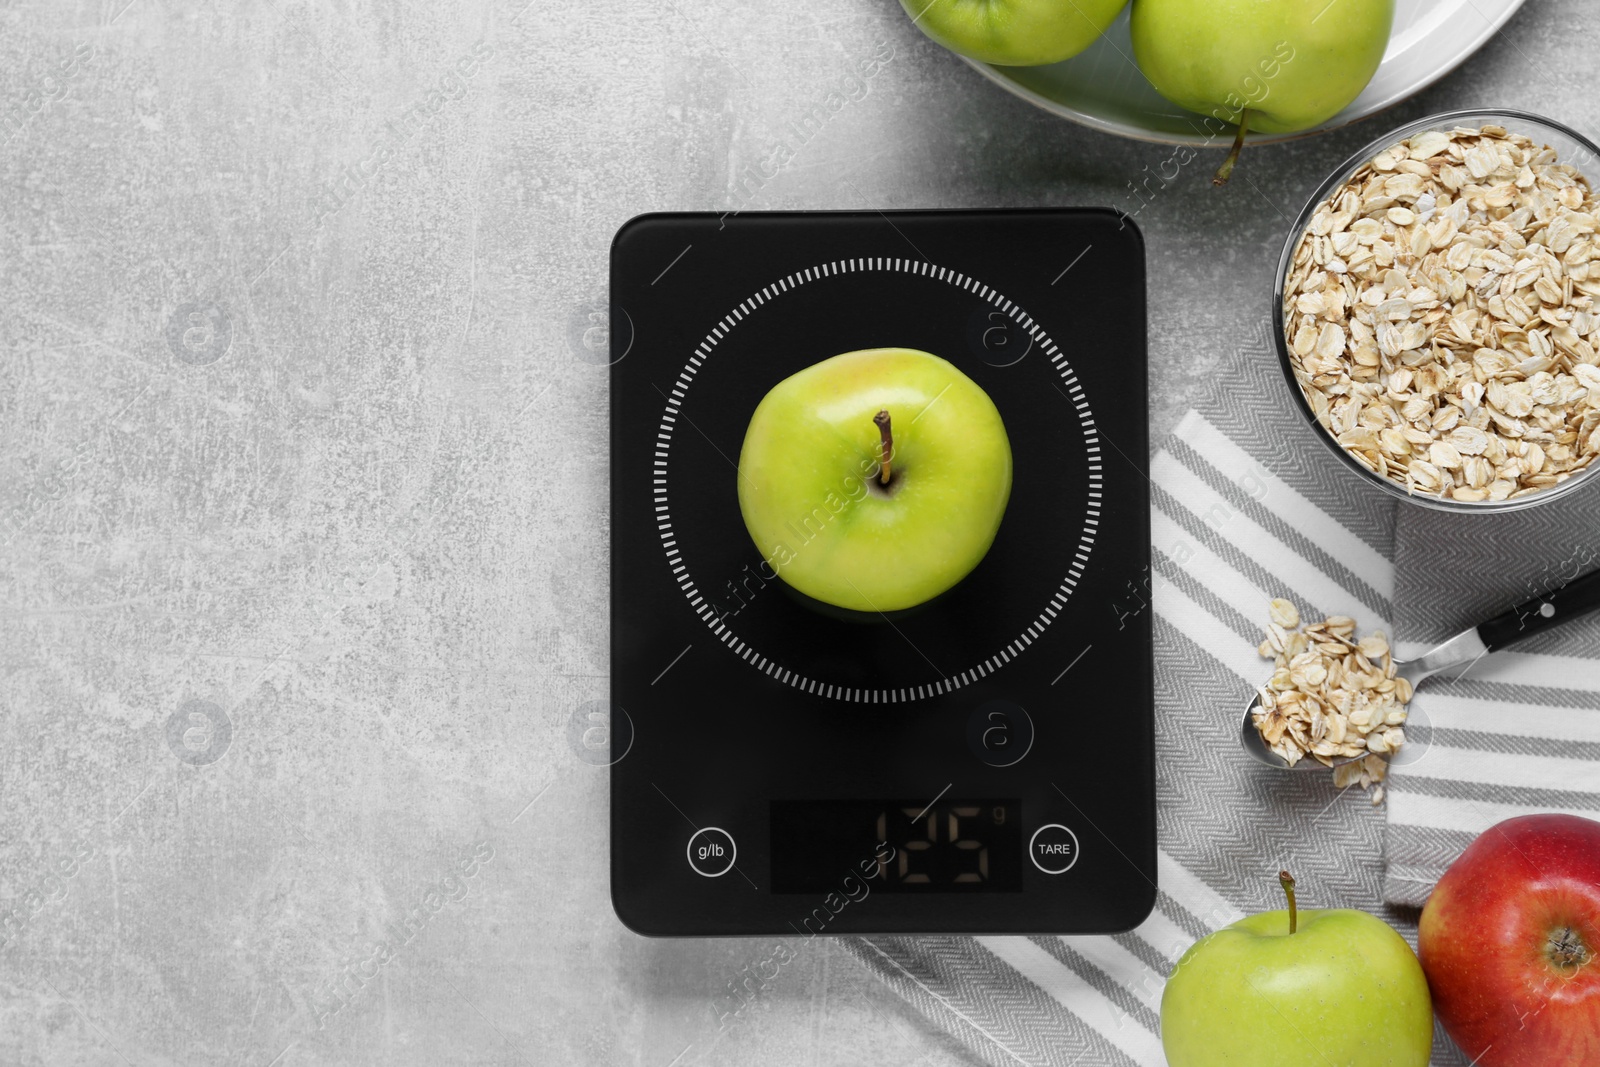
303, 504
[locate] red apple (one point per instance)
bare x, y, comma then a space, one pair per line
1510, 942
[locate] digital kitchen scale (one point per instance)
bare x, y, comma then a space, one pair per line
983, 764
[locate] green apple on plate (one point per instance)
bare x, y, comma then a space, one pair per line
1298, 987
876, 480
1014, 33
1274, 66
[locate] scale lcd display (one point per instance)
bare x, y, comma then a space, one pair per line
897, 846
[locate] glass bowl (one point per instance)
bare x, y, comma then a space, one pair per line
1572, 147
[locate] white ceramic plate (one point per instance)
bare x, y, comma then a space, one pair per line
1103, 87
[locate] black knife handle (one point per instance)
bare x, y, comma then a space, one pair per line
1555, 608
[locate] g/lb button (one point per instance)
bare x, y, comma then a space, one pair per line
712, 851
1053, 848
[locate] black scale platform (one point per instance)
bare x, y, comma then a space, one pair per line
981, 765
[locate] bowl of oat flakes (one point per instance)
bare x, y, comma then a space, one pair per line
1438, 311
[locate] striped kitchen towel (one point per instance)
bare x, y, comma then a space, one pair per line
1517, 733
1247, 506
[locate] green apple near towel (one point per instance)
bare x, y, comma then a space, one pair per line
1298, 988
875, 480
1275, 66
1014, 33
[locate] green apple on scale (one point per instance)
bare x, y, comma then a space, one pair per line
876, 480
1226, 58
1014, 33
1298, 987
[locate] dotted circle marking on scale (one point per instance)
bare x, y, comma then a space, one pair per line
771, 667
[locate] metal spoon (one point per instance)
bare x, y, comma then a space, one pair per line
1577, 598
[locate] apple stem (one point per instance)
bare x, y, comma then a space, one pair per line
1287, 881
882, 421
1225, 171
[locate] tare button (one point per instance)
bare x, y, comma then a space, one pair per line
712, 851
1053, 848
